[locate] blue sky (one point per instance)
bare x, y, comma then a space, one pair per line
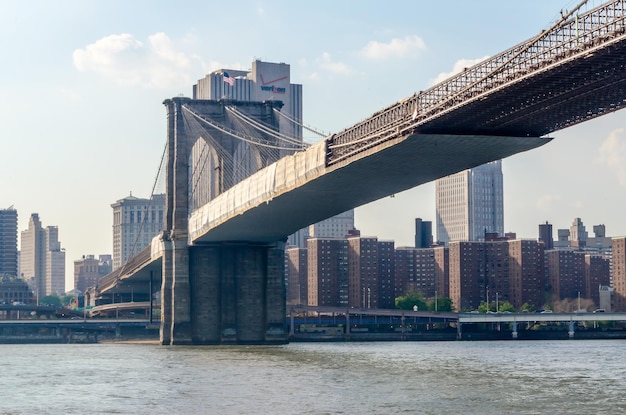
83, 125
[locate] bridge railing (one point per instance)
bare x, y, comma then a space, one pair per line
574, 33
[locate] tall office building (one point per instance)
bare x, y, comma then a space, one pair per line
470, 203
135, 222
266, 81
8, 242
423, 233
42, 261
578, 234
338, 226
545, 235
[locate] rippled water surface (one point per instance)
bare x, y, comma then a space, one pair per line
511, 377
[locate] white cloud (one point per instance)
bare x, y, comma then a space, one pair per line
612, 153
547, 202
408, 47
128, 61
458, 67
337, 68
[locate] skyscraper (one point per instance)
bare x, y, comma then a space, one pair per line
470, 203
423, 233
8, 242
545, 235
578, 234
135, 222
42, 261
266, 81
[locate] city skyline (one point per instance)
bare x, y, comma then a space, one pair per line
84, 123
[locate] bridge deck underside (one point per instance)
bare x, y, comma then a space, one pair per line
389, 168
551, 98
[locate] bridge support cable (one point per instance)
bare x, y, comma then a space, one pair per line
210, 169
235, 134
226, 161
219, 164
573, 35
299, 144
306, 127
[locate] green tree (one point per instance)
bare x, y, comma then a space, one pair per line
51, 299
67, 300
442, 304
506, 306
409, 300
528, 307
483, 307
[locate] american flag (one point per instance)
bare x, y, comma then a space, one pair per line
230, 81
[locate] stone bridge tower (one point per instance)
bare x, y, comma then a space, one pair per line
217, 293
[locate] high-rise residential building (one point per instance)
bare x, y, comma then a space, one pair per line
527, 282
566, 274
423, 233
327, 272
597, 274
89, 270
8, 243
42, 260
386, 271
297, 274
470, 203
363, 267
545, 235
619, 274
468, 282
479, 272
415, 271
136, 222
442, 271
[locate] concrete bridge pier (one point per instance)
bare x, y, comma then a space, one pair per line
237, 294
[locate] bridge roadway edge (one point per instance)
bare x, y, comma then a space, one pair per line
386, 169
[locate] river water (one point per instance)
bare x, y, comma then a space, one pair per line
500, 377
